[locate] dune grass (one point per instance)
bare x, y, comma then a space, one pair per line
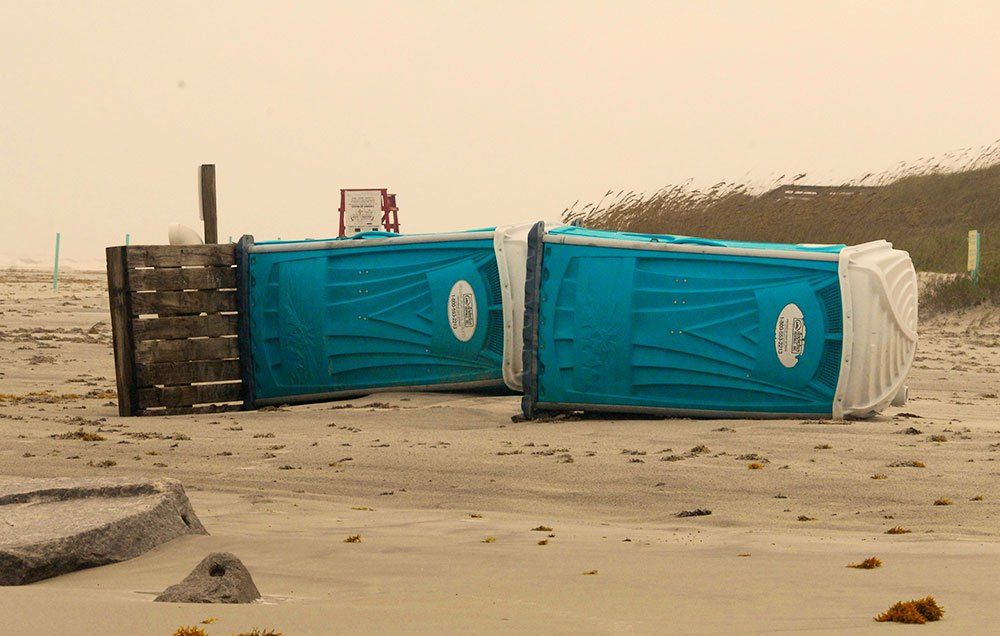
926, 209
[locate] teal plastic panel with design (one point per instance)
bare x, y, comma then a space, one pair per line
327, 322
701, 333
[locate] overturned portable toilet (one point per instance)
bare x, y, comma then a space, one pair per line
675, 325
324, 319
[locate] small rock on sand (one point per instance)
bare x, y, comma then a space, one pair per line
219, 578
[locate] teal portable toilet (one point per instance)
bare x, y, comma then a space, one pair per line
327, 319
675, 325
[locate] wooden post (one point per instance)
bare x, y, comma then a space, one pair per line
208, 211
121, 330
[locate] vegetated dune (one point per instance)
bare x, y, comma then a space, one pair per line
926, 209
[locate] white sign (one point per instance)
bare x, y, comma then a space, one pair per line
362, 211
462, 310
790, 335
973, 262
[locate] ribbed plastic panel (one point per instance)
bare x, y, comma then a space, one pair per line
881, 327
510, 244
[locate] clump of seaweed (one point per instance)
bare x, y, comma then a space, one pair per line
697, 512
755, 466
943, 501
897, 530
822, 447
590, 573
909, 463
880, 476
700, 449
541, 529
868, 564
916, 612
939, 438
80, 434
193, 630
38, 397
489, 540
260, 632
104, 463
977, 498
354, 538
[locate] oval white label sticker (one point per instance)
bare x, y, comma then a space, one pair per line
790, 335
462, 310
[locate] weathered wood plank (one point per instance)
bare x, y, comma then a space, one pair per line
186, 278
178, 327
178, 255
174, 396
121, 330
187, 372
147, 351
191, 410
243, 307
209, 301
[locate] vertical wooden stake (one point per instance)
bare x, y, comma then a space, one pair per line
55, 266
208, 211
121, 330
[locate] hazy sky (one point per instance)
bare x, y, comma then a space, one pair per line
474, 113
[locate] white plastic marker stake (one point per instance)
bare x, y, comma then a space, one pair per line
975, 240
55, 267
127, 238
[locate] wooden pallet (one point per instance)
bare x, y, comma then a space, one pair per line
174, 319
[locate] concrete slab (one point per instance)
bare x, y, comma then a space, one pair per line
53, 526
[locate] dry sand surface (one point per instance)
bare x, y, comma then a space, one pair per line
445, 491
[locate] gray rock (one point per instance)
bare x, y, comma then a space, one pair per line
219, 578
53, 526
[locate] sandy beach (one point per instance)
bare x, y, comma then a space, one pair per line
447, 494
